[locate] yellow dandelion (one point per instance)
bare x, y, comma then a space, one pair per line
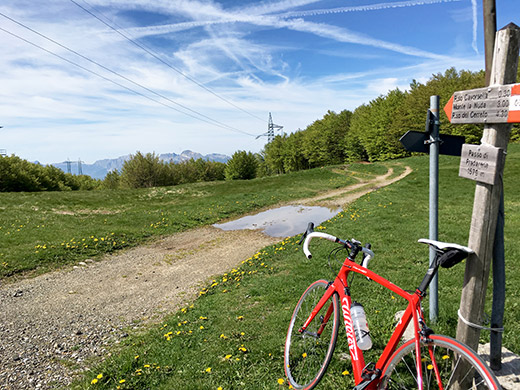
346, 372
208, 370
281, 381
94, 381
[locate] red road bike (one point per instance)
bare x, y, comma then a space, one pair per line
428, 361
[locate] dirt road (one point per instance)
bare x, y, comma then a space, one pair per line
52, 323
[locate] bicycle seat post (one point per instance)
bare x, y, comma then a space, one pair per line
430, 274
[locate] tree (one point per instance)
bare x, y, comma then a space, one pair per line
241, 166
293, 157
371, 129
144, 171
274, 154
112, 180
324, 140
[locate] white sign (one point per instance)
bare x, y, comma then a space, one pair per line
480, 163
496, 104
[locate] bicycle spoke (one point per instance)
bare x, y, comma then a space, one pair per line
446, 366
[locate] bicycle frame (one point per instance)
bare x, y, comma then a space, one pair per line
412, 312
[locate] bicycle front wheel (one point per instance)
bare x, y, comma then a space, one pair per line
308, 353
446, 364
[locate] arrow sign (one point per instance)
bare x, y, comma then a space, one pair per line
496, 104
417, 141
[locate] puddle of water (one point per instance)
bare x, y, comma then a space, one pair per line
284, 221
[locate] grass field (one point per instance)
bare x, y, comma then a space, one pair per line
45, 230
232, 336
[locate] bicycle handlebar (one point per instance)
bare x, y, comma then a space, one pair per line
369, 254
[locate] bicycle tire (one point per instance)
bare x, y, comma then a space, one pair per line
459, 367
308, 355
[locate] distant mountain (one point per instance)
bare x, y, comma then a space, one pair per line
100, 168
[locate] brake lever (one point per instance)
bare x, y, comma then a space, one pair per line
310, 229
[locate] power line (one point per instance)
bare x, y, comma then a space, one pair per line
97, 74
200, 117
156, 56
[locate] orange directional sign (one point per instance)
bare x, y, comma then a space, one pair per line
496, 104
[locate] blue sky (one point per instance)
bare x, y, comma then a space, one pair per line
168, 75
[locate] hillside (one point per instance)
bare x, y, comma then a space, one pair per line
242, 312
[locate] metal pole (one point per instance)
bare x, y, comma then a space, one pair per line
434, 202
499, 291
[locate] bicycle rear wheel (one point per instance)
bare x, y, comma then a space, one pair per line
307, 354
446, 364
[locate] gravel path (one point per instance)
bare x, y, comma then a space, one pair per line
52, 323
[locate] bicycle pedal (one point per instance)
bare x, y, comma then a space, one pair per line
369, 376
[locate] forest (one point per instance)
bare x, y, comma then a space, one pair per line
372, 132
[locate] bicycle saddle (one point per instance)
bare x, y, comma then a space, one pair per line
445, 246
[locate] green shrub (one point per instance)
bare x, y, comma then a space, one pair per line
18, 175
242, 166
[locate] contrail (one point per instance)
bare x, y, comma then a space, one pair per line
361, 8
291, 21
474, 9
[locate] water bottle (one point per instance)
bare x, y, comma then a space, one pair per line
359, 319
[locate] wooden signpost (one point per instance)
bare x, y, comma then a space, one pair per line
496, 106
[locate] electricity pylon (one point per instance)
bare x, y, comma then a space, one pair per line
271, 127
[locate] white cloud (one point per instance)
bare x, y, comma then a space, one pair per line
52, 110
